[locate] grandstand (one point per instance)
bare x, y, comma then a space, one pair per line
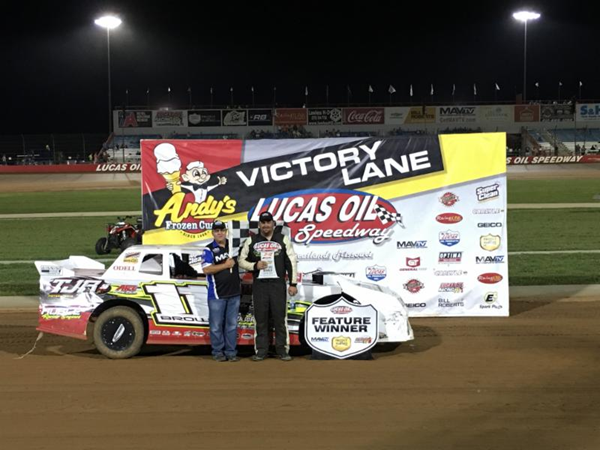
543, 129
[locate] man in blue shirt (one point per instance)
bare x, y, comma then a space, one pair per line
223, 295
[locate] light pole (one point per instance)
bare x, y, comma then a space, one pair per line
109, 22
525, 16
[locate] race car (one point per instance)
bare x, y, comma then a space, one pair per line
147, 296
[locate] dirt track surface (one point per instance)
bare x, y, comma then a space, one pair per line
21, 183
530, 381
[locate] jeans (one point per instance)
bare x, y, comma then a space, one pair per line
223, 322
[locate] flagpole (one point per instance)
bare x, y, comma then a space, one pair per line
579, 90
252, 90
169, 95
190, 96
327, 95
232, 96
275, 90
495, 93
147, 97
211, 97
559, 91
126, 98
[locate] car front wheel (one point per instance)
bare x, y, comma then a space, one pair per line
119, 333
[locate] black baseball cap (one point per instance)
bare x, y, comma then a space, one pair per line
265, 216
218, 225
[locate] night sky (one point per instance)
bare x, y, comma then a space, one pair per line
55, 70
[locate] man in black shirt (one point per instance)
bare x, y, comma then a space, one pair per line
270, 257
223, 295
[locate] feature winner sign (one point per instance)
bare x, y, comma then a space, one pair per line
341, 329
365, 206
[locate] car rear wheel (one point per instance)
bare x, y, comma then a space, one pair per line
119, 333
102, 246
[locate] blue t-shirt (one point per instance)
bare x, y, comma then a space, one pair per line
225, 283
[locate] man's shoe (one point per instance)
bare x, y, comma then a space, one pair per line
257, 358
220, 358
233, 358
286, 357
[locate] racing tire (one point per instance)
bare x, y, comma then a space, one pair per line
388, 346
119, 333
127, 242
102, 246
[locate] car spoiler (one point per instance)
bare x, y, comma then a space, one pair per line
68, 267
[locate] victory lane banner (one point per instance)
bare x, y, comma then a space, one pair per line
422, 216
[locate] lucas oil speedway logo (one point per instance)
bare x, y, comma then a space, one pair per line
332, 216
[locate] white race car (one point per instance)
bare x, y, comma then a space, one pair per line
141, 299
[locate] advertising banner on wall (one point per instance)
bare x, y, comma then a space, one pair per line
290, 116
413, 214
204, 118
587, 112
260, 117
495, 113
421, 115
167, 118
233, 118
527, 113
556, 113
135, 119
395, 115
363, 116
325, 116
457, 114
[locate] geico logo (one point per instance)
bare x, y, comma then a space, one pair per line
490, 224
416, 305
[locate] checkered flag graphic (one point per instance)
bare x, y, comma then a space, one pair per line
386, 217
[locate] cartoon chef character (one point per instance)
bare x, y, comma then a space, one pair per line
196, 180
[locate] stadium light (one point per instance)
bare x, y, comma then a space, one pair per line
525, 16
110, 23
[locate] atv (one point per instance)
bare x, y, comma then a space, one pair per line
120, 235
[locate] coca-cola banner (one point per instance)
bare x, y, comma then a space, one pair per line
325, 116
290, 116
527, 113
396, 115
169, 118
363, 116
412, 214
204, 118
135, 119
556, 113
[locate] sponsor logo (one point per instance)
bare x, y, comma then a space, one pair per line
489, 224
413, 264
321, 116
484, 193
457, 114
448, 199
51, 270
413, 286
234, 117
60, 312
75, 286
341, 344
126, 289
416, 305
267, 246
449, 272
447, 303
131, 258
449, 257
412, 244
490, 259
490, 242
119, 167
290, 116
364, 340
123, 268
246, 336
375, 273
320, 339
331, 216
449, 237
341, 310
451, 287
487, 211
449, 218
491, 297
364, 115
490, 278
163, 118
